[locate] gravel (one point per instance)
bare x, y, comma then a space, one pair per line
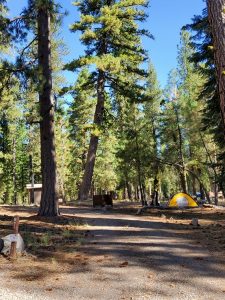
128, 257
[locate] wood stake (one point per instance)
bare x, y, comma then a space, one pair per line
15, 231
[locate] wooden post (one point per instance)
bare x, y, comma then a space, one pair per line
15, 231
32, 179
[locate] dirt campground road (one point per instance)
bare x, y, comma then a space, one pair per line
122, 256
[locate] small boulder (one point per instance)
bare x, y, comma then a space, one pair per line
163, 216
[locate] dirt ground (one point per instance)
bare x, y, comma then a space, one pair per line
210, 233
98, 254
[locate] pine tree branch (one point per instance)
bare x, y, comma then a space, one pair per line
19, 19
25, 48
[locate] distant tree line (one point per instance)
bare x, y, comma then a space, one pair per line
114, 129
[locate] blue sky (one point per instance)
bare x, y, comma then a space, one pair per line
166, 17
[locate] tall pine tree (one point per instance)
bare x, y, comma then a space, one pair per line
113, 49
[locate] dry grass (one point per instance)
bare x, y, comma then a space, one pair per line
52, 245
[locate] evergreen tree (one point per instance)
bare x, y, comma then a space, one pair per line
128, 152
203, 59
112, 39
49, 205
183, 118
151, 134
216, 17
81, 114
13, 173
212, 122
105, 176
139, 143
173, 126
39, 18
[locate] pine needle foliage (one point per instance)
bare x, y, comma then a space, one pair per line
109, 30
203, 58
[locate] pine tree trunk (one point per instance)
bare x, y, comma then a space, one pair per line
155, 198
183, 180
150, 190
91, 156
138, 164
137, 193
194, 186
129, 194
14, 172
216, 194
22, 184
183, 176
216, 16
31, 198
49, 204
144, 193
155, 195
125, 193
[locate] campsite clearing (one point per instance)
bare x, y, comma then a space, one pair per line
97, 254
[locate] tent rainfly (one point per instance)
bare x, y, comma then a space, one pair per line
182, 200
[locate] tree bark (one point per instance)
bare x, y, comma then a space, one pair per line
183, 180
216, 193
137, 196
216, 16
91, 156
14, 172
129, 194
139, 167
155, 198
213, 168
183, 176
194, 185
31, 178
49, 204
149, 189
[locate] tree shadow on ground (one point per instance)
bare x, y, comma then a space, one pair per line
113, 238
